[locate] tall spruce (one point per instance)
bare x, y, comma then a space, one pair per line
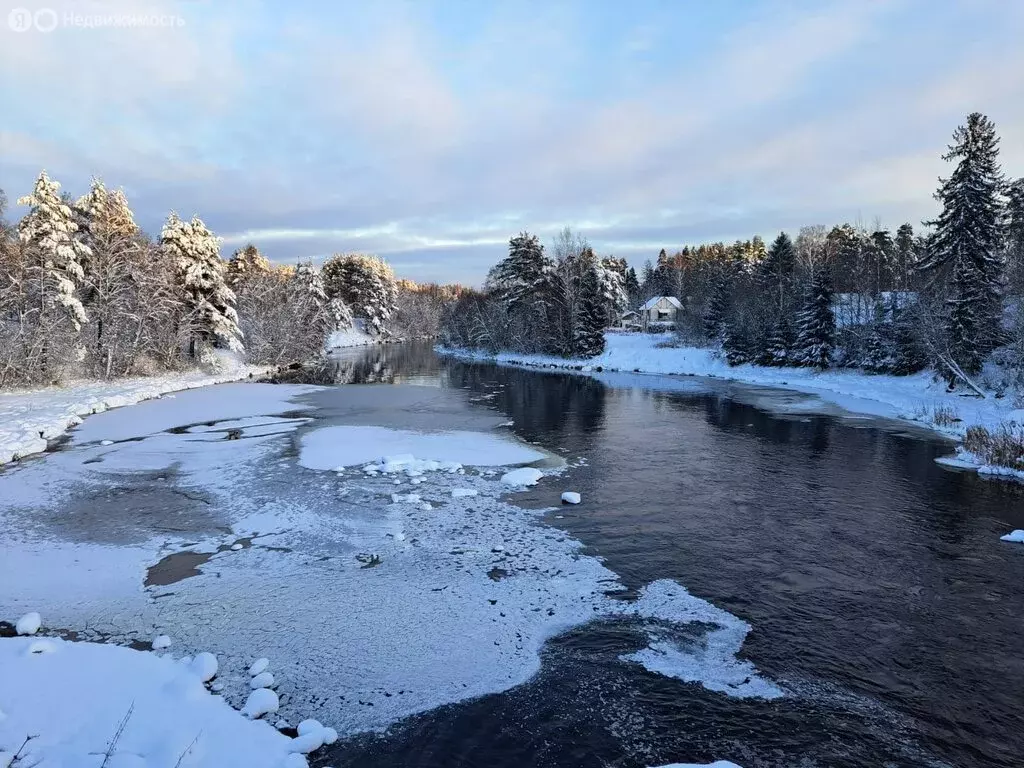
816, 326
905, 255
525, 271
967, 245
777, 269
718, 307
1015, 234
588, 334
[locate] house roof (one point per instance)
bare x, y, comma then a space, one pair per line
652, 303
629, 313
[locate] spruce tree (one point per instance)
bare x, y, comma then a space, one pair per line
718, 306
968, 241
518, 278
736, 344
777, 269
816, 326
1015, 235
588, 334
905, 255
632, 287
366, 285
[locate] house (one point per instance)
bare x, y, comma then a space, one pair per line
629, 321
660, 310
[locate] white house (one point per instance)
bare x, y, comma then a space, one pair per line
660, 309
630, 320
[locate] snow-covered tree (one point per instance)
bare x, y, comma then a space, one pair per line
245, 263
588, 333
366, 284
777, 269
195, 253
718, 307
816, 326
611, 277
1015, 234
967, 246
518, 278
50, 234
325, 314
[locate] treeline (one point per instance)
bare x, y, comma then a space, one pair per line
849, 295
85, 292
536, 303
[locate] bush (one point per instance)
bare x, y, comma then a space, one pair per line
1002, 448
944, 416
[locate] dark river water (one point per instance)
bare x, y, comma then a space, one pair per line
879, 593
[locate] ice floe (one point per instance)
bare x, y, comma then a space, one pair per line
1015, 536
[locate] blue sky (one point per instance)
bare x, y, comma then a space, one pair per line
430, 132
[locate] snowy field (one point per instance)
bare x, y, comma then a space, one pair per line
233, 521
909, 398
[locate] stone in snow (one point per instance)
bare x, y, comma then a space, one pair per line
1016, 536
308, 726
205, 666
462, 493
235, 547
260, 665
160, 642
262, 680
522, 476
261, 702
29, 624
571, 497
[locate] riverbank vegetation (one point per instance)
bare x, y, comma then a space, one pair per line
85, 293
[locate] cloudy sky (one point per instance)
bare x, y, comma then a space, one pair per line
431, 131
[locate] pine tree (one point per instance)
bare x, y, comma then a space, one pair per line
968, 241
816, 326
718, 306
50, 232
588, 334
518, 277
366, 285
195, 252
778, 345
244, 264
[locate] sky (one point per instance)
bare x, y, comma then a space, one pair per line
429, 132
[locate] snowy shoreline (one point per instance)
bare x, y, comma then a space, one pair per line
915, 399
31, 418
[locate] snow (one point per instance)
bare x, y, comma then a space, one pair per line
160, 642
571, 497
908, 398
716, 764
204, 665
522, 476
258, 666
262, 680
653, 302
261, 702
1016, 536
397, 449
356, 336
29, 624
31, 418
73, 699
463, 493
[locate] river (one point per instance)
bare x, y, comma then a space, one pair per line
878, 591
850, 602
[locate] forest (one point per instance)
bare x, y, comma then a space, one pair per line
942, 294
84, 292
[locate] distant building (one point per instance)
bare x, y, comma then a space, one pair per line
660, 310
630, 321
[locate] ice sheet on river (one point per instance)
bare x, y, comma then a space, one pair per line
371, 609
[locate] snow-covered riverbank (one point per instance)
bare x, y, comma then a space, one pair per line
918, 398
30, 418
